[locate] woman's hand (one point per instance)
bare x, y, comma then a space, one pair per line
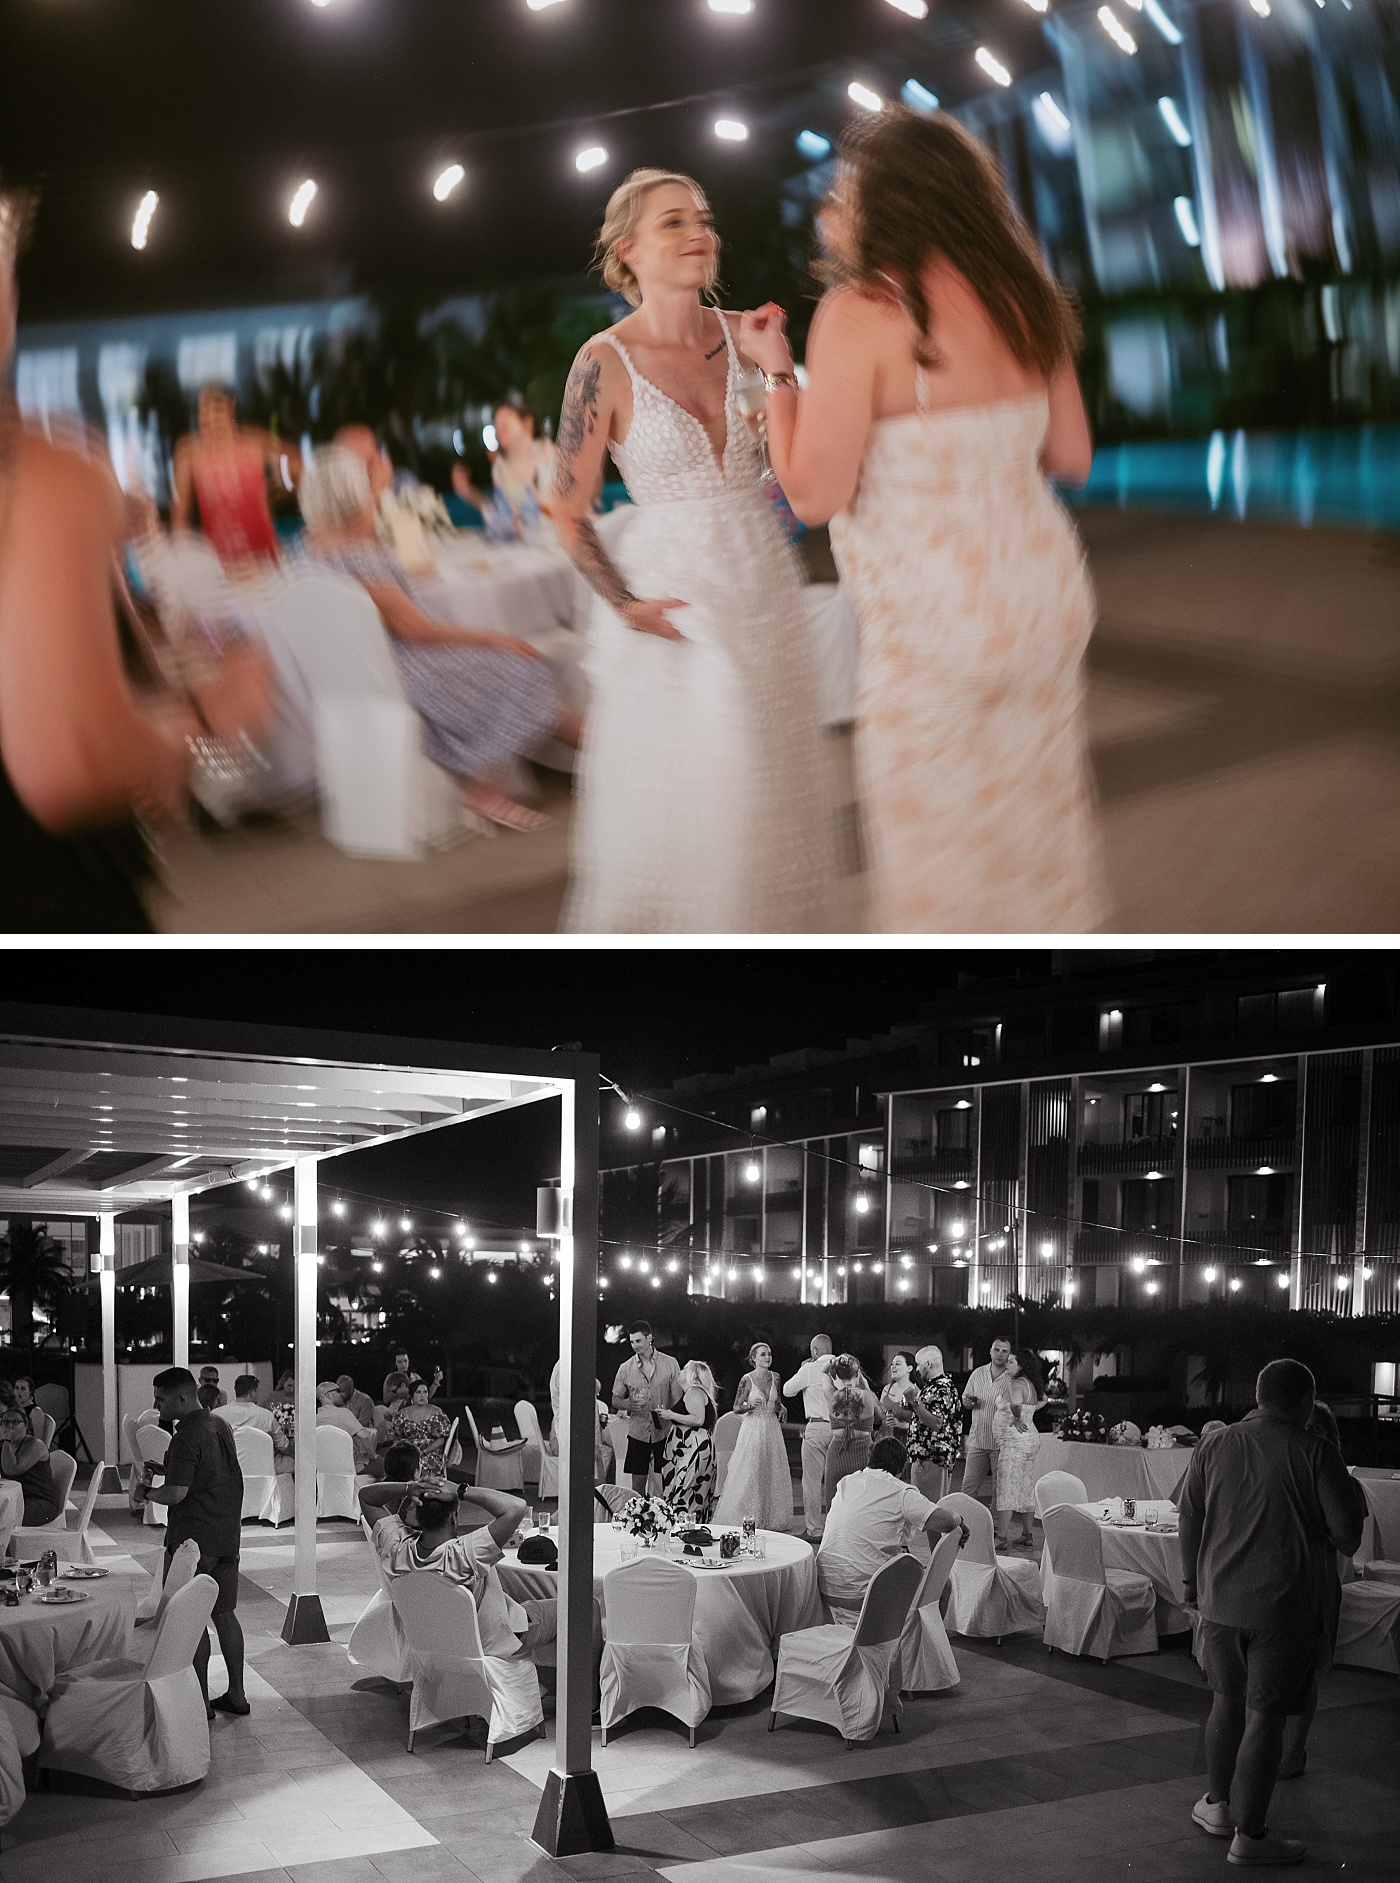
506, 643
654, 618
763, 338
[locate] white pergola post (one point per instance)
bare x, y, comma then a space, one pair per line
107, 1283
180, 1279
305, 1620
572, 1817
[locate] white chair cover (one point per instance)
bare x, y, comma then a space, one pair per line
336, 1493
452, 1678
1368, 1629
24, 1724
152, 1443
724, 1439
183, 1564
498, 1465
849, 1677
129, 1431
11, 1770
991, 1595
927, 1663
377, 1641
541, 1467
69, 1546
149, 1417
268, 1495
1090, 1609
142, 1728
44, 1425
380, 795
649, 1655
1058, 1487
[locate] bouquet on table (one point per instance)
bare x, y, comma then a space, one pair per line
650, 1518
1125, 1433
407, 519
1089, 1428
846, 1407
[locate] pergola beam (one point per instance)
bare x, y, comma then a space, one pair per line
54, 1168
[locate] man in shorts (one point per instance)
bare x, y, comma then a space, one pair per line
1264, 1505
648, 1380
203, 1492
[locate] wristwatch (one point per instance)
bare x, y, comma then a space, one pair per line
772, 381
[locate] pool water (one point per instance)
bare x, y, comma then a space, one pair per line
1347, 476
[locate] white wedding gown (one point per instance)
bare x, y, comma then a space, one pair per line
758, 1483
704, 805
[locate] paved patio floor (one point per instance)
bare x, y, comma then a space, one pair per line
1039, 1766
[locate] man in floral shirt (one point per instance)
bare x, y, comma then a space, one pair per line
935, 1433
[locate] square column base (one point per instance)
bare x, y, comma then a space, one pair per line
572, 1817
305, 1622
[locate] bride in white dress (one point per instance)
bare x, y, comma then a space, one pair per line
703, 801
758, 1483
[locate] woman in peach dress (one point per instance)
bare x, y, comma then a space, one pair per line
942, 398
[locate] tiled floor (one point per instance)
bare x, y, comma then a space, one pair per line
1038, 1766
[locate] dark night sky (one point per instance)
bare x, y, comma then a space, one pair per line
222, 106
653, 1017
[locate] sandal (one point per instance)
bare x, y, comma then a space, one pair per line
497, 808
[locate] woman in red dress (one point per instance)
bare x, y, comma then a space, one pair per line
223, 465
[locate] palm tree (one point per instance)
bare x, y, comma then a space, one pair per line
32, 1269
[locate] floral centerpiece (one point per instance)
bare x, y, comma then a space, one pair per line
1089, 1428
407, 519
1125, 1433
650, 1518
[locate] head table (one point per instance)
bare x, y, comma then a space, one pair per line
741, 1610
39, 1641
1115, 1470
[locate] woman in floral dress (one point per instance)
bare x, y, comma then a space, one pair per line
421, 1424
1013, 1428
688, 1465
935, 1436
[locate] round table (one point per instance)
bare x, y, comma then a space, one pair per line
1382, 1490
741, 1611
1155, 1554
510, 588
39, 1642
1115, 1470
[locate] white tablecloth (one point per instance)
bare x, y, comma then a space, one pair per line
1152, 1553
11, 1511
38, 1642
1115, 1470
740, 1611
1382, 1488
508, 588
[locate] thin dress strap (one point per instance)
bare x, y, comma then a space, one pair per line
920, 386
728, 340
621, 351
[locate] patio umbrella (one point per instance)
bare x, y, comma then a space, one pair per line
157, 1273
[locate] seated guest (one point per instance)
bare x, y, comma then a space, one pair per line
872, 1517
245, 1410
23, 1398
423, 1536
484, 698
465, 504
402, 1470
284, 1393
209, 1398
24, 1459
360, 1404
330, 1410
209, 1376
423, 1425
523, 469
284, 1417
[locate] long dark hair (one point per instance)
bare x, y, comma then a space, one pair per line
1029, 1364
923, 190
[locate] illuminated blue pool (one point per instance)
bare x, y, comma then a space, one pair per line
1347, 476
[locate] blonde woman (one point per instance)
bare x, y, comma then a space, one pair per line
942, 401
703, 805
688, 1463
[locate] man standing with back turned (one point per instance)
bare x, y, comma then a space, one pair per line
813, 1380
1264, 1504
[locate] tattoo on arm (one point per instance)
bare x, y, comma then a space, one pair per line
598, 571
578, 421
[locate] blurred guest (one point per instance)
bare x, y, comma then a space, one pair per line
942, 400
1297, 1726
523, 472
332, 1410
245, 1411
935, 1435
484, 698
223, 467
25, 1402
24, 1460
1013, 1426
80, 754
855, 1412
354, 1401
208, 1397
465, 504
361, 443
285, 1391
209, 1376
403, 1372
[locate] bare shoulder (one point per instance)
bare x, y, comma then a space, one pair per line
850, 313
67, 485
596, 370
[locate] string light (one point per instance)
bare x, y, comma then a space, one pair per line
1116, 30
593, 159
300, 203
141, 222
731, 130
992, 66
916, 9
731, 6
863, 96
448, 181
918, 96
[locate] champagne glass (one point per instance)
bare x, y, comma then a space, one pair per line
752, 397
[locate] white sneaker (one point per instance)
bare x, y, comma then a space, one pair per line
1213, 1818
1270, 1848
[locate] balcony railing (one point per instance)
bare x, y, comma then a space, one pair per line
1095, 1243
1270, 1238
1135, 1158
1275, 1150
934, 1166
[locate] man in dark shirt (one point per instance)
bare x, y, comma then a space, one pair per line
1264, 1505
203, 1491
